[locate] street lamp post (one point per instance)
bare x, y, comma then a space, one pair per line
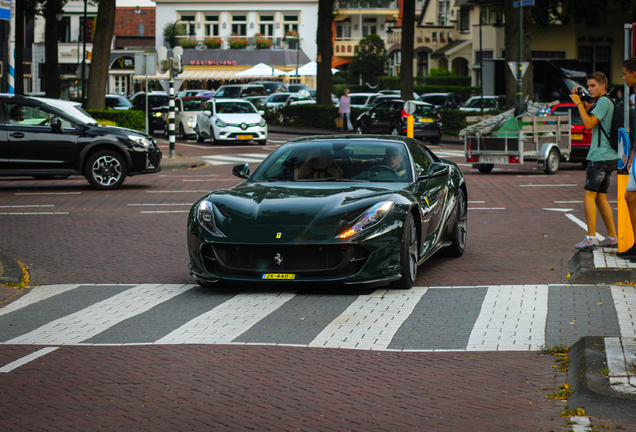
174, 36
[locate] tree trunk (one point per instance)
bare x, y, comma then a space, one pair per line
512, 52
52, 76
324, 77
19, 47
408, 36
98, 72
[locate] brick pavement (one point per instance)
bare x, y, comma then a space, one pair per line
279, 389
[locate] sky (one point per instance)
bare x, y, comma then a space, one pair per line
134, 3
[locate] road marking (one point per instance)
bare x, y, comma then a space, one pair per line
558, 209
234, 159
26, 359
48, 193
165, 211
583, 225
568, 202
160, 204
28, 206
486, 208
476, 202
180, 191
511, 319
538, 175
549, 185
625, 305
201, 180
33, 213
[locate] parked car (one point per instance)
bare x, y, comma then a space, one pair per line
397, 93
312, 94
363, 100
442, 100
117, 102
185, 118
390, 118
239, 91
384, 98
270, 86
230, 120
157, 108
580, 137
489, 103
257, 101
352, 209
190, 93
47, 140
277, 100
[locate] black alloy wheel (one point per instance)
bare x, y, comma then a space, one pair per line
409, 255
106, 170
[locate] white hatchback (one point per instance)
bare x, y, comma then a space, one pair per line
230, 120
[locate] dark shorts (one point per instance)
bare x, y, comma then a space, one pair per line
598, 175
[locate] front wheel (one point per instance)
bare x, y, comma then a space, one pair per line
552, 162
359, 130
485, 168
408, 255
460, 228
106, 169
212, 139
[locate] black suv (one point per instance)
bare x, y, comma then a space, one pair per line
390, 118
49, 138
240, 91
158, 108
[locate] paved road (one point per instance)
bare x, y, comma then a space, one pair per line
119, 337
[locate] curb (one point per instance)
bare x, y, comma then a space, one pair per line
10, 270
582, 271
181, 163
592, 390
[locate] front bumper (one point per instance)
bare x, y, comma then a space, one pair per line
232, 133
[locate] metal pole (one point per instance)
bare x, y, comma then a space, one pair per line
519, 75
297, 58
481, 63
84, 54
11, 53
171, 136
146, 96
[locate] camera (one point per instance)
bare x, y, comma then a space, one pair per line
582, 95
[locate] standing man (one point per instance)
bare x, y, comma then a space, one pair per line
344, 108
629, 76
603, 159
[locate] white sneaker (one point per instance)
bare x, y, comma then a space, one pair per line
588, 243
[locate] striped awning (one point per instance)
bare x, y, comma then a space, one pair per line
195, 74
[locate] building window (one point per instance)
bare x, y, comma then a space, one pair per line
464, 20
239, 25
88, 30
64, 29
490, 15
290, 22
443, 10
187, 21
479, 55
596, 58
369, 26
266, 24
211, 25
343, 29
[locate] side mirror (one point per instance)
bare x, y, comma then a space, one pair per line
176, 109
56, 124
261, 112
207, 113
437, 169
241, 170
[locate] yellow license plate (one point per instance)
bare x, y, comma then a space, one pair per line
426, 120
247, 137
577, 137
280, 276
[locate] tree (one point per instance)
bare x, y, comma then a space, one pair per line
370, 59
100, 61
324, 38
171, 31
408, 37
51, 37
512, 52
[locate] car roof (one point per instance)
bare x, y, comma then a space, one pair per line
229, 100
194, 98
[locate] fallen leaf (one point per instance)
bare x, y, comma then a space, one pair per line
599, 303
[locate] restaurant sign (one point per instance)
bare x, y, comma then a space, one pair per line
212, 62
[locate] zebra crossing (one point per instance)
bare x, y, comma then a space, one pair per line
480, 318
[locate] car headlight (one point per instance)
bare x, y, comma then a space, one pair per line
367, 219
205, 216
143, 141
220, 123
159, 114
263, 123
192, 122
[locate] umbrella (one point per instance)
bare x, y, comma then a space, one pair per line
308, 70
260, 70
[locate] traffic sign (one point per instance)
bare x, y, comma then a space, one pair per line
410, 107
523, 3
514, 67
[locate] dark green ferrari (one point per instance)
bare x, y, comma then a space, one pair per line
350, 209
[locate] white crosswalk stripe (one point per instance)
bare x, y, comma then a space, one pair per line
234, 159
508, 317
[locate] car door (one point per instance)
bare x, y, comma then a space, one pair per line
369, 122
203, 120
430, 192
34, 144
382, 121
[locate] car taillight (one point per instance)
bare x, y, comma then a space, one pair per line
513, 159
472, 159
404, 114
439, 116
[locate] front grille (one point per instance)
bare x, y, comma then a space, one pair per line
311, 260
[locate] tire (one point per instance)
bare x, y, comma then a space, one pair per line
261, 142
460, 228
409, 255
204, 284
552, 162
520, 109
395, 130
106, 170
359, 129
200, 139
212, 140
485, 168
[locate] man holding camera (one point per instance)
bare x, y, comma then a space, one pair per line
602, 160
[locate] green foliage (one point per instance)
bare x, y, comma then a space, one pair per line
106, 122
187, 43
130, 119
437, 72
370, 59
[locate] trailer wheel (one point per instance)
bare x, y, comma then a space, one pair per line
485, 168
552, 162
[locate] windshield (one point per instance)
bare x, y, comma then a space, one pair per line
434, 99
158, 101
228, 92
336, 161
277, 98
235, 108
271, 87
358, 100
193, 104
293, 88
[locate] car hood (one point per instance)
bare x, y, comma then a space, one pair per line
304, 210
240, 118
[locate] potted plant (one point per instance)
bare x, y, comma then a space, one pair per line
291, 34
187, 43
213, 42
237, 42
262, 41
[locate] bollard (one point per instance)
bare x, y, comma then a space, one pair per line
624, 224
410, 121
